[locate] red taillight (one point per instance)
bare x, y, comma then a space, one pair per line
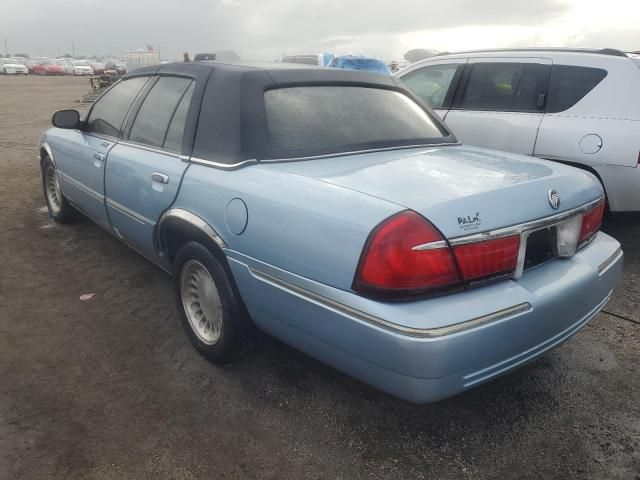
591, 222
490, 258
400, 258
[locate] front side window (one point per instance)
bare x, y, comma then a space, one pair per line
154, 116
108, 113
503, 87
318, 120
431, 83
569, 84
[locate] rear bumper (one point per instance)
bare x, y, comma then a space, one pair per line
413, 353
622, 185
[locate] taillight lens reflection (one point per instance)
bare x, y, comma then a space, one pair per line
489, 258
591, 222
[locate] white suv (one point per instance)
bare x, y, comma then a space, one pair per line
580, 107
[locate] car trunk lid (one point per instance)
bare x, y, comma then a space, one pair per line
462, 190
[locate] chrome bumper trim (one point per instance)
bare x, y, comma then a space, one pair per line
609, 261
381, 323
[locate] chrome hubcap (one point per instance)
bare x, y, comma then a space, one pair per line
52, 188
201, 302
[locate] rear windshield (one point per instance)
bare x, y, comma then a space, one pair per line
321, 120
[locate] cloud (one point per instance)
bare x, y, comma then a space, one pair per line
264, 29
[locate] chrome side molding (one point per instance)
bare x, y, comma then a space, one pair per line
220, 165
129, 213
381, 323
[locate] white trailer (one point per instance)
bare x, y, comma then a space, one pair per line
141, 58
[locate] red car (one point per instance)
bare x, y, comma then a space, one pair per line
49, 67
97, 67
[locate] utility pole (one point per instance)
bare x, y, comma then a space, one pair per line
6, 50
73, 49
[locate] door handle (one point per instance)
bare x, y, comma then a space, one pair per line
98, 156
160, 177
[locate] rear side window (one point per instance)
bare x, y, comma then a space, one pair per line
173, 141
504, 87
569, 84
431, 83
152, 121
108, 114
306, 121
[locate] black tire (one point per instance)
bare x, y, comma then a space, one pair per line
236, 329
59, 208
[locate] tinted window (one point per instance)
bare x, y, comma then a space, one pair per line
173, 141
431, 83
108, 113
152, 120
320, 120
569, 84
503, 86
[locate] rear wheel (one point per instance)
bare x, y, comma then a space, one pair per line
59, 208
211, 309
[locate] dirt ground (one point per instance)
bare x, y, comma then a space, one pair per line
110, 388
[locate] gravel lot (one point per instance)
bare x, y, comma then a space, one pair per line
111, 388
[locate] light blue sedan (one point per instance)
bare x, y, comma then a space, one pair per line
335, 211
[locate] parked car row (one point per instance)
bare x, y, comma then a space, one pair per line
336, 211
60, 66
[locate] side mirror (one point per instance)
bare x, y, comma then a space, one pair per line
69, 119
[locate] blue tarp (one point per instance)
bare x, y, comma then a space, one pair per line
326, 59
351, 62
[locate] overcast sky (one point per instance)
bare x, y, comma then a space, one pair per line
265, 29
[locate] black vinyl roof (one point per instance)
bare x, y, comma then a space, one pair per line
231, 117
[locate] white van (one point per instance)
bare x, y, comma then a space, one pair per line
580, 107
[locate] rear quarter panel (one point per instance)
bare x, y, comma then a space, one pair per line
301, 225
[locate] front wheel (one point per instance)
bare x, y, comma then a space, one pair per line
210, 306
59, 208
